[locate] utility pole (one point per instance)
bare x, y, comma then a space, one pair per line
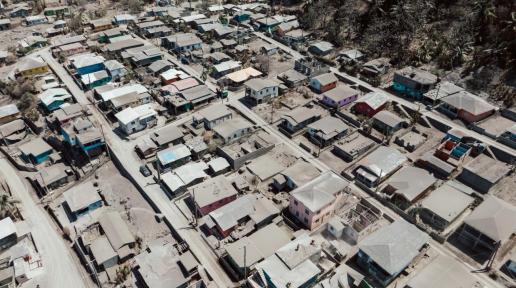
245, 260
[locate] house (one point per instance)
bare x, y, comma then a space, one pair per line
235, 80
123, 19
68, 50
135, 119
115, 69
218, 57
58, 11
379, 165
483, 172
35, 20
219, 166
327, 130
258, 246
95, 79
167, 135
260, 89
413, 82
387, 122
375, 67
321, 48
444, 205
371, 103
182, 42
31, 65
103, 253
294, 265
350, 56
33, 42
119, 46
118, 234
187, 99
53, 98
387, 252
82, 199
249, 208
173, 157
314, 203
292, 78
87, 63
20, 11
213, 194
466, 106
5, 24
159, 66
178, 86
323, 82
8, 233
299, 118
298, 174
225, 68
90, 141
156, 32
232, 130
489, 226
310, 67
51, 177
228, 44
71, 129
106, 35
352, 146
267, 24
143, 55
108, 92
340, 96
295, 37
9, 113
408, 185
213, 116
65, 114
172, 75
98, 25
132, 99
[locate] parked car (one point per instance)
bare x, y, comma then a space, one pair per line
145, 170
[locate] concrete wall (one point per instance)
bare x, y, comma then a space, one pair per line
238, 162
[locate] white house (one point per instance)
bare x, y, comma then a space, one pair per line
261, 89
135, 119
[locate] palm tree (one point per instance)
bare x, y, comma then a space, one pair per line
8, 207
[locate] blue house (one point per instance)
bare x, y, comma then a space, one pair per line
413, 82
53, 98
385, 253
90, 142
36, 151
242, 16
87, 63
81, 200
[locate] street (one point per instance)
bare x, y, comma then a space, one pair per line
60, 266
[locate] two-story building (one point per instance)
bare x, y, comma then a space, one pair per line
413, 82
323, 82
135, 119
340, 96
297, 119
260, 89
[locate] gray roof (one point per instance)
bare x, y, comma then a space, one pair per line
493, 218
410, 182
8, 110
301, 114
374, 99
329, 127
447, 202
388, 118
218, 164
259, 245
258, 84
417, 75
35, 147
383, 161
468, 102
265, 167
116, 230
444, 272
159, 268
229, 127
197, 93
341, 92
159, 65
488, 168
215, 112
213, 190
320, 192
167, 135
301, 172
323, 45
326, 78
81, 196
393, 247
102, 250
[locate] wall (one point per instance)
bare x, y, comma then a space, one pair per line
238, 162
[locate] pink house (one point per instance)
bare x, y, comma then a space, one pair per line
313, 204
340, 96
213, 194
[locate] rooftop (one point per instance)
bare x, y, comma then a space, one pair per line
383, 161
488, 168
35, 147
341, 92
320, 191
374, 99
388, 118
468, 102
81, 196
326, 78
102, 250
447, 202
493, 218
301, 114
418, 75
328, 127
213, 190
116, 229
227, 128
130, 114
258, 84
410, 182
172, 154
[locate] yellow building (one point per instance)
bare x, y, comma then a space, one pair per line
32, 66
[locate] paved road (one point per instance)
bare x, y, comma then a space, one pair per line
131, 163
60, 268
414, 106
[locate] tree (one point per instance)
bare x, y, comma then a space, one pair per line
8, 207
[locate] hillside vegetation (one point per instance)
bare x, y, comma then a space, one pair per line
475, 38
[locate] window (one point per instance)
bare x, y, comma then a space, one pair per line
306, 211
306, 220
295, 202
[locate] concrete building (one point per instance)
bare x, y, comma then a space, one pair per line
483, 172
387, 252
8, 233
321, 48
340, 96
132, 120
310, 67
352, 146
377, 166
408, 185
117, 232
232, 130
213, 116
297, 119
387, 122
81, 200
323, 82
261, 89
173, 157
327, 130
314, 203
213, 194
298, 174
444, 205
9, 113
182, 42
413, 82
103, 253
166, 136
489, 226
